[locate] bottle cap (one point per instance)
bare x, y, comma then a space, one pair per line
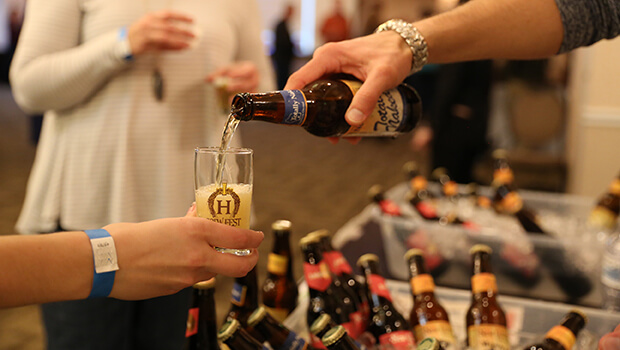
413, 252
410, 167
320, 323
333, 335
366, 258
208, 284
480, 248
320, 233
281, 225
257, 316
308, 239
499, 154
580, 313
375, 190
439, 172
227, 330
428, 344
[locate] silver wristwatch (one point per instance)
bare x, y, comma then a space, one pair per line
412, 37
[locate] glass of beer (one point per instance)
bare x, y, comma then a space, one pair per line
223, 186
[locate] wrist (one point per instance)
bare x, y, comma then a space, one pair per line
412, 37
125, 51
105, 262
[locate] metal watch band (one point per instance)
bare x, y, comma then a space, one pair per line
412, 37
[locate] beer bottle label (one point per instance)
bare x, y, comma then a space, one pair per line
440, 330
422, 284
358, 324
562, 335
293, 342
317, 276
376, 283
315, 342
279, 314
387, 117
488, 337
277, 264
419, 183
192, 322
337, 262
511, 203
503, 176
238, 294
295, 111
400, 340
426, 210
483, 282
483, 202
603, 218
450, 188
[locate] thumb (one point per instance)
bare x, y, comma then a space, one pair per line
365, 100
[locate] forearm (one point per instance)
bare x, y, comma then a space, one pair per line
45, 268
482, 29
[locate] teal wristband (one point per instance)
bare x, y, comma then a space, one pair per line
105, 262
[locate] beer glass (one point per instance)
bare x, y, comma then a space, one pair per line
223, 186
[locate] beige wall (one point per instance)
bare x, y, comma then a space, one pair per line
594, 129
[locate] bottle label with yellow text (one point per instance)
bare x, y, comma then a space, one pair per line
400, 340
483, 282
562, 335
295, 110
376, 284
488, 337
387, 117
422, 284
440, 330
317, 276
191, 326
238, 294
338, 264
277, 264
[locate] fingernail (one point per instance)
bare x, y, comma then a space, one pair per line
355, 116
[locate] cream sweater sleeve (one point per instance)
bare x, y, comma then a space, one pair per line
250, 44
52, 69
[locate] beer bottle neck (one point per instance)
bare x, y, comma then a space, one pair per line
481, 263
245, 291
272, 332
574, 322
241, 340
417, 266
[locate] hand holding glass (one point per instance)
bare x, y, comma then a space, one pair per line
223, 186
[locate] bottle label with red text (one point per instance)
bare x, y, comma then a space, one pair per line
488, 337
387, 117
317, 276
400, 340
376, 283
192, 322
337, 262
295, 107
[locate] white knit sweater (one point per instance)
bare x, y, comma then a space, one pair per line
109, 152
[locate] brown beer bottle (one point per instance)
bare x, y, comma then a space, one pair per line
386, 324
485, 319
279, 289
428, 318
421, 199
605, 214
324, 296
338, 339
201, 332
507, 200
236, 338
321, 325
244, 297
321, 105
266, 328
563, 336
387, 206
340, 267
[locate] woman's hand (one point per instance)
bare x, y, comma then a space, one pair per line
161, 257
241, 76
160, 31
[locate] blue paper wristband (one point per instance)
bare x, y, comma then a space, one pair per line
102, 282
